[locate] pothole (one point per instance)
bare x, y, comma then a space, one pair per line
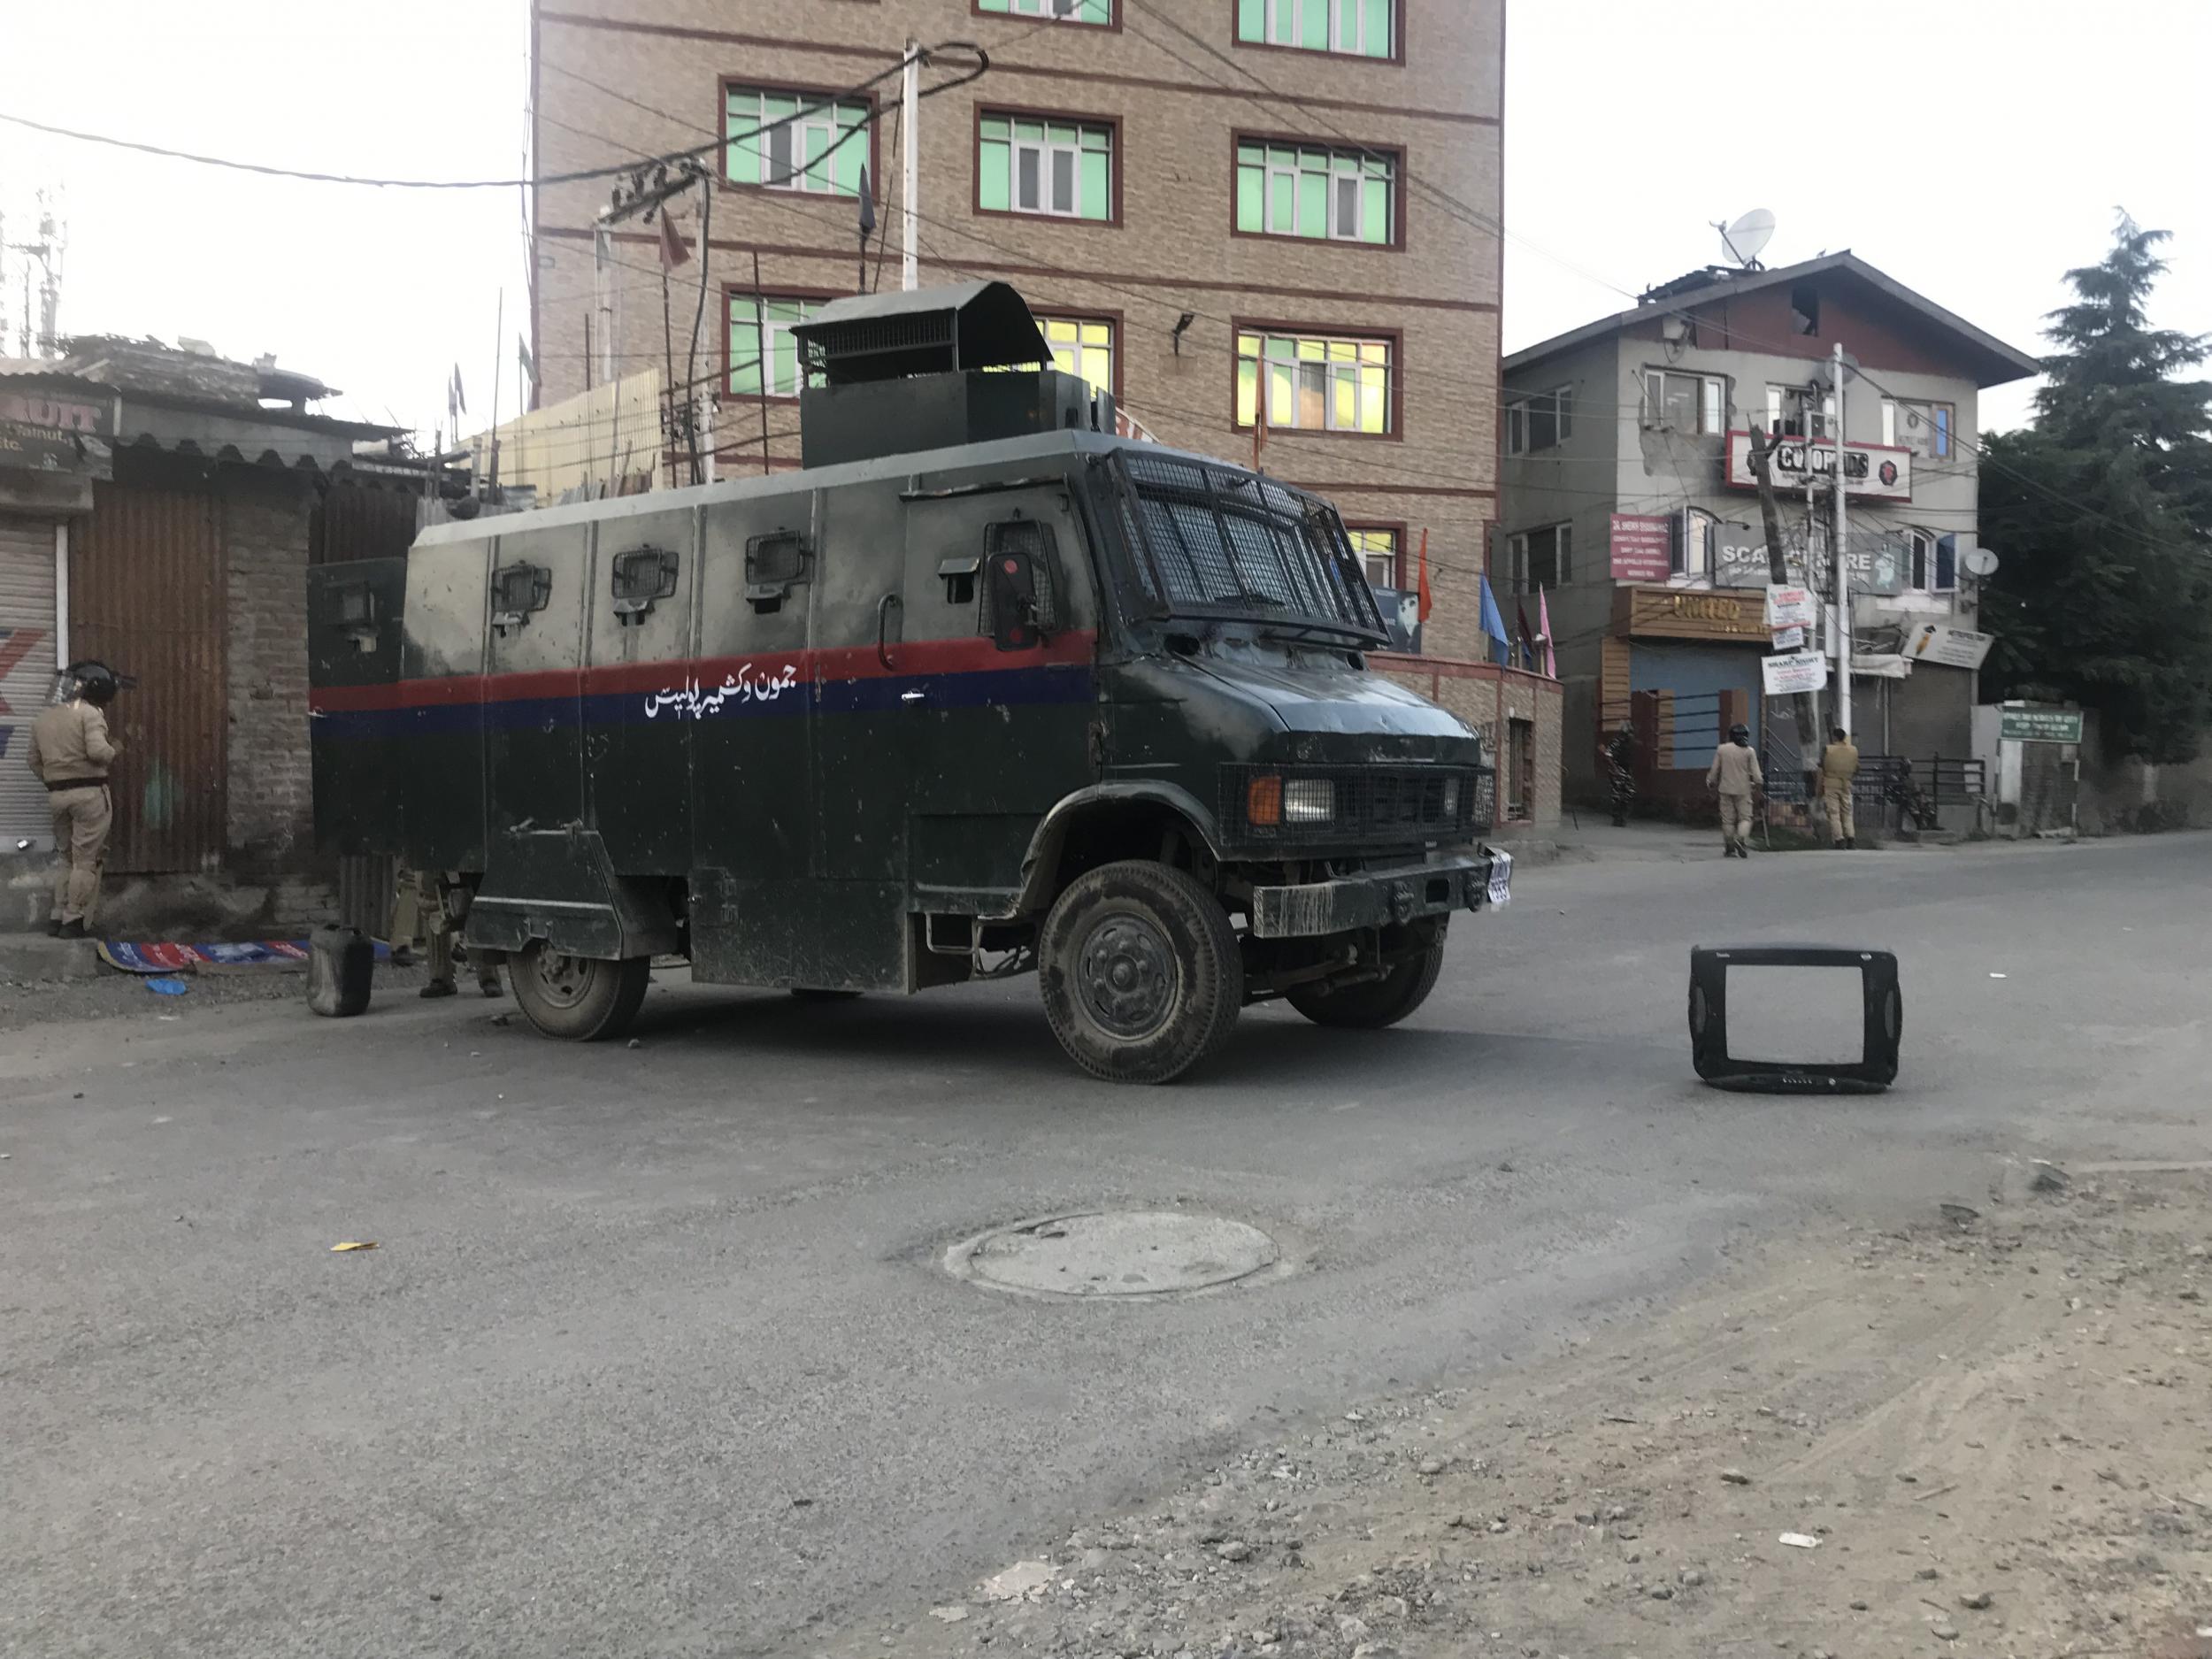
1116, 1253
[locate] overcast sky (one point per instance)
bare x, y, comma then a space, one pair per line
1981, 147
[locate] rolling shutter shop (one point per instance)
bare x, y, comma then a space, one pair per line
27, 672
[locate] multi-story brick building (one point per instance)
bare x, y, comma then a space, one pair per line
1225, 212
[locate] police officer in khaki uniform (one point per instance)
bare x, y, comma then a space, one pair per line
71, 752
1838, 765
419, 911
1733, 776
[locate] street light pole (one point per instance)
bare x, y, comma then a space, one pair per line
1843, 579
910, 170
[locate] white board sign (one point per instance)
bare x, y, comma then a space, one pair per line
1789, 639
1797, 672
1940, 643
1791, 608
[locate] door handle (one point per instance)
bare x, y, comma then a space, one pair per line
884, 607
910, 696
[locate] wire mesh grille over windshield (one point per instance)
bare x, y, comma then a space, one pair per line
1221, 539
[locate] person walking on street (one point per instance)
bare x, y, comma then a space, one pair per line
70, 753
1838, 765
419, 911
1733, 776
1620, 755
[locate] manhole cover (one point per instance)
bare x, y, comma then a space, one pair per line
1115, 1253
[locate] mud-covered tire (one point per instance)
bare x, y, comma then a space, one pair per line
1140, 972
1377, 1002
579, 999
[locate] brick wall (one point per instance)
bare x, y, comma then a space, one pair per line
270, 804
1172, 250
1489, 699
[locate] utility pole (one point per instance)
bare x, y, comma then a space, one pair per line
1779, 573
909, 169
1843, 577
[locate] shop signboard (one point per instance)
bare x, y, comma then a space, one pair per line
1940, 643
1877, 471
1642, 547
1791, 608
2039, 726
1793, 673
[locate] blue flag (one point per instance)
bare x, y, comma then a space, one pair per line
1492, 621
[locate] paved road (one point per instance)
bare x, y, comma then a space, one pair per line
656, 1356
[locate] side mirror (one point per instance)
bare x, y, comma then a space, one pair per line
1020, 596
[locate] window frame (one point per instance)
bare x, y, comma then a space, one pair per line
1396, 57
1396, 531
1519, 416
1075, 117
1825, 414
733, 291
1395, 242
727, 84
1915, 534
1712, 402
1045, 312
1943, 420
976, 8
1394, 398
1519, 584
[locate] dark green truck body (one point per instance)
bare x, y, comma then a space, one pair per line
858, 727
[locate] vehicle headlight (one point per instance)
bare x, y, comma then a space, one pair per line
1308, 800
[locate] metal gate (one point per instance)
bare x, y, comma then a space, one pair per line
27, 673
146, 597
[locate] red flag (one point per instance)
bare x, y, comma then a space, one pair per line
673, 250
1428, 603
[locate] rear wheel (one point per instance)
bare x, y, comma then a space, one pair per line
1140, 972
1374, 1003
582, 998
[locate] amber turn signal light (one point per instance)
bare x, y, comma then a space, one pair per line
1264, 801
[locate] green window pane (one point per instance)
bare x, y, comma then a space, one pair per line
1247, 391
1374, 224
994, 167
1313, 160
994, 5
1311, 350
778, 108
1097, 11
1346, 414
1375, 399
1030, 132
847, 162
1059, 132
1282, 208
1250, 156
1251, 193
1101, 138
1375, 33
1097, 192
994, 126
817, 144
1251, 20
784, 366
1282, 157
1313, 205
1313, 25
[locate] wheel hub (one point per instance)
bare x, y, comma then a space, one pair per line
1126, 976
561, 979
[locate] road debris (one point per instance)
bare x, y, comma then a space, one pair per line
348, 1245
1798, 1540
1023, 1581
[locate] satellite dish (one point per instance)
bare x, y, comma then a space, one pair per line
1980, 561
1748, 237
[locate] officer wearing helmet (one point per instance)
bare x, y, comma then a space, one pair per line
1733, 776
71, 752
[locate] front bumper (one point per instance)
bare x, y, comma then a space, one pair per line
1477, 879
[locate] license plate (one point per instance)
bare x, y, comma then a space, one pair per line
1501, 878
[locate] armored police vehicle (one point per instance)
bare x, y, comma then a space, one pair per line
984, 689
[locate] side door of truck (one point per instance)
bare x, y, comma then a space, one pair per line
1001, 637
753, 891
438, 755
641, 689
533, 688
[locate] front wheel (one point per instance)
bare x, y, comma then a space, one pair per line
582, 998
1374, 1003
1140, 972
